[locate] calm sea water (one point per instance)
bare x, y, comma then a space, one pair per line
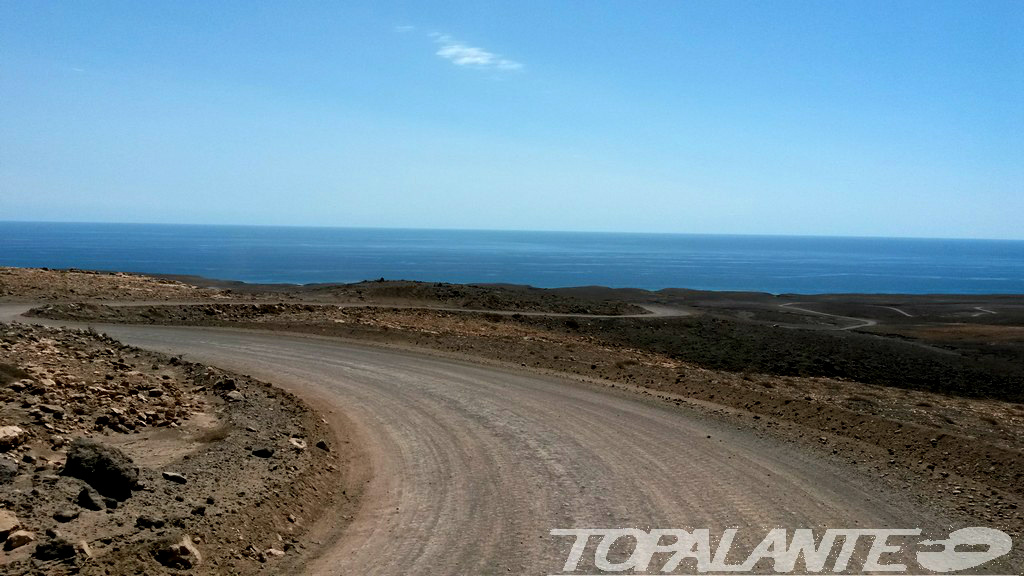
777, 264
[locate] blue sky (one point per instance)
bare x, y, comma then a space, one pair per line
855, 118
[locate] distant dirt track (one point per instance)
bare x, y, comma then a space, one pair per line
652, 310
857, 322
472, 466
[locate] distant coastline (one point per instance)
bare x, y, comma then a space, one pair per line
767, 264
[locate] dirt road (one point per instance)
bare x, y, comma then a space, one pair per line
472, 466
857, 322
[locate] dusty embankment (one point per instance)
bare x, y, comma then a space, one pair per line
115, 460
43, 284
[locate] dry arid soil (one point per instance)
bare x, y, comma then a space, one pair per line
922, 392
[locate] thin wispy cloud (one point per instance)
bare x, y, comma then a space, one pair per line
462, 54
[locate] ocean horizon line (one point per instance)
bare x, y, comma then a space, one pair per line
518, 230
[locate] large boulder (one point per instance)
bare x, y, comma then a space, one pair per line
105, 468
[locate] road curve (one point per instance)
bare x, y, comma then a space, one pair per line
472, 466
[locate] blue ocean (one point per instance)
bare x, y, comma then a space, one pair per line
777, 264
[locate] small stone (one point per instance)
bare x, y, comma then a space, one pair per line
65, 515
273, 552
147, 521
234, 396
19, 538
52, 409
263, 452
8, 470
10, 437
174, 477
178, 553
83, 549
298, 443
90, 499
8, 523
56, 548
322, 444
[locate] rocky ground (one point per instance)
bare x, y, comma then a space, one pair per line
503, 297
43, 284
114, 460
467, 296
